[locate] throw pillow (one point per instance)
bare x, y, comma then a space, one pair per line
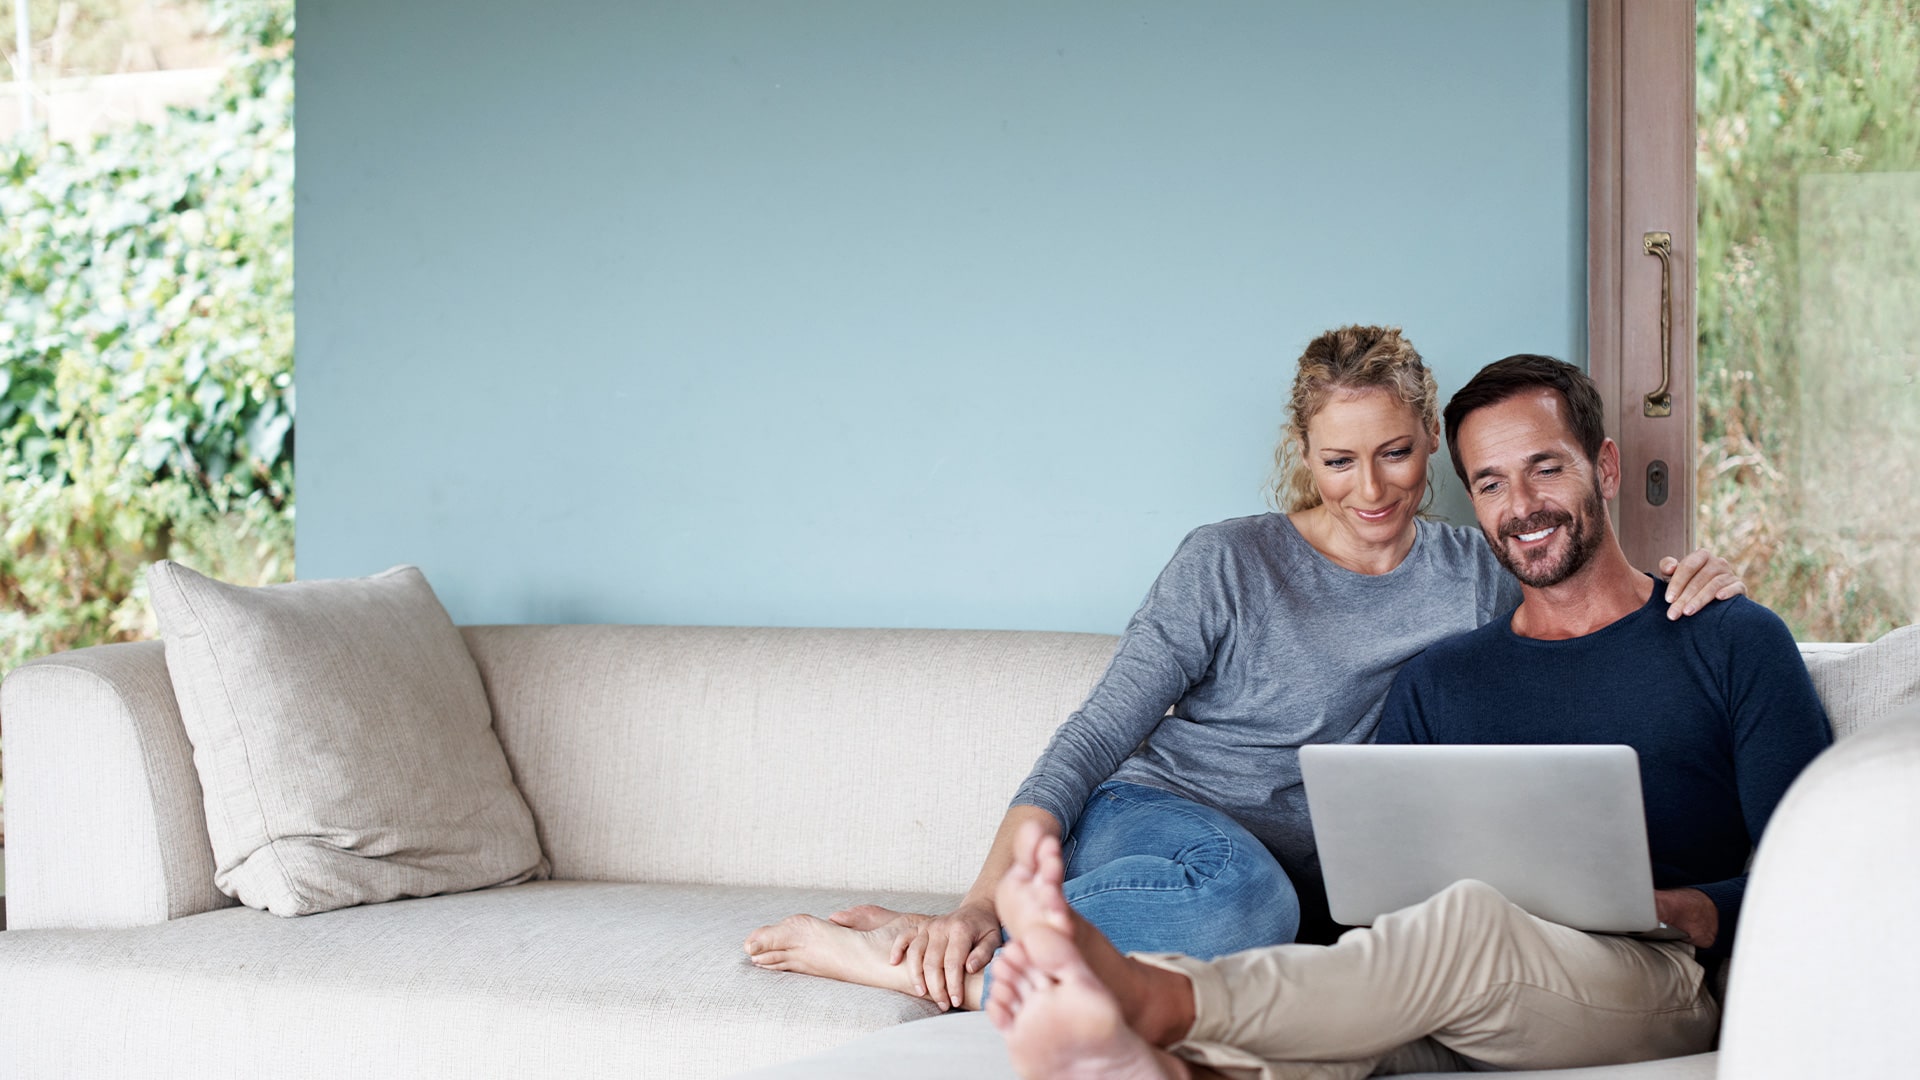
1865, 685
343, 740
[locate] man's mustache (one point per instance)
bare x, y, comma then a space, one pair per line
1534, 522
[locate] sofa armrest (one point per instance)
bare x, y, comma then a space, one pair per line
1824, 976
105, 823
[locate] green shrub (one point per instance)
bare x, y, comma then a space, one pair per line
146, 354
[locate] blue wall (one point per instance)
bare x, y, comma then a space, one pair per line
880, 313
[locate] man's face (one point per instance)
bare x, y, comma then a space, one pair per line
1540, 502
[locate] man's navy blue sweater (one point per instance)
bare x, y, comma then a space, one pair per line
1718, 705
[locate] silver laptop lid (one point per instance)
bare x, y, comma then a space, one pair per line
1559, 830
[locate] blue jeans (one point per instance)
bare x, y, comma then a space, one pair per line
1159, 873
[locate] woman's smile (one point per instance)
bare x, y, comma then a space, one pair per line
1366, 451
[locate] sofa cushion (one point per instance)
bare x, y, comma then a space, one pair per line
964, 1046
343, 740
1863, 685
541, 979
831, 759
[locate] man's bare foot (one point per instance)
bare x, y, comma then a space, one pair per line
813, 946
1031, 893
1060, 1021
1155, 1002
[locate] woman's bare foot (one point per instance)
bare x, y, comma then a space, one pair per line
870, 957
873, 917
1060, 1021
813, 946
1155, 1002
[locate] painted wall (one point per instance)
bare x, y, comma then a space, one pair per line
859, 312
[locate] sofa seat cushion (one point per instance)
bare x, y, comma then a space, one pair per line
540, 979
964, 1046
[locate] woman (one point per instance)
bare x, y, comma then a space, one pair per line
1188, 831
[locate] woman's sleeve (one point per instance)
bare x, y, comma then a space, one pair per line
1168, 646
1499, 589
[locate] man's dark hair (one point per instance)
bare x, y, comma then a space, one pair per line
1518, 374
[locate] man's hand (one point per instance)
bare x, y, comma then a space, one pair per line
1689, 911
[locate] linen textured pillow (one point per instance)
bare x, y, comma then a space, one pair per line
343, 740
1860, 687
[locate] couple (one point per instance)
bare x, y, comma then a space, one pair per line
1720, 709
1188, 832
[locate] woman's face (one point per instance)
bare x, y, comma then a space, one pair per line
1367, 452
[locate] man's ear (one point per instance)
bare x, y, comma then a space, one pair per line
1609, 466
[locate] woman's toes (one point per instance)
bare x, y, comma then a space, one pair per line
784, 934
864, 917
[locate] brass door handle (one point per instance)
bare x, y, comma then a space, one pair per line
1660, 402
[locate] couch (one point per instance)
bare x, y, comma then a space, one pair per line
1826, 977
687, 784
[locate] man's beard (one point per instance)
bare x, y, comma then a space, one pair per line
1582, 542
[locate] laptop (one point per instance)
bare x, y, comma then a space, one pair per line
1559, 830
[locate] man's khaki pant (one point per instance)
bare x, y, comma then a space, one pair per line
1462, 980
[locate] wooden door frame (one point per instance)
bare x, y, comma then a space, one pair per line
1640, 175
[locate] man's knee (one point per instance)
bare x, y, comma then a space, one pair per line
1470, 908
1471, 896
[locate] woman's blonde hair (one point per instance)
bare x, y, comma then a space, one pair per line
1344, 360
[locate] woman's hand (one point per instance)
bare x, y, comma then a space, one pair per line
944, 951
1698, 580
940, 953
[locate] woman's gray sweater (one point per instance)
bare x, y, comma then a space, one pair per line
1261, 644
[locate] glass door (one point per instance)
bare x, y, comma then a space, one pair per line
1807, 369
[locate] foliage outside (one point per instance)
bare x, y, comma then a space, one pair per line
146, 354
104, 37
1809, 246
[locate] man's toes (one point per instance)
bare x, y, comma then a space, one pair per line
1013, 958
773, 958
1004, 1002
1050, 864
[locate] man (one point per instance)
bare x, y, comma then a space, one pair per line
1719, 707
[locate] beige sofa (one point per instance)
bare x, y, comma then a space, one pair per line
687, 784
